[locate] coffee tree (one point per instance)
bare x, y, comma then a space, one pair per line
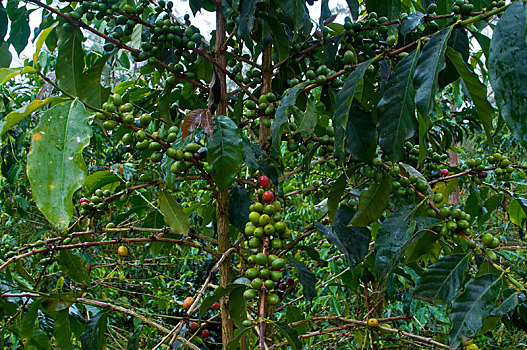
276, 183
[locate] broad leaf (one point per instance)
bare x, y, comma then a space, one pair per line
344, 101
388, 8
7, 74
431, 62
28, 320
372, 203
335, 194
239, 202
508, 76
173, 213
73, 266
442, 281
93, 336
476, 89
196, 118
219, 293
99, 179
396, 109
15, 117
246, 19
411, 22
280, 119
280, 39
40, 41
55, 166
290, 334
70, 61
133, 341
19, 27
361, 135
307, 279
62, 330
225, 151
471, 308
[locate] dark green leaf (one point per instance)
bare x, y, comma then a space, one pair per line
19, 32
510, 301
93, 336
280, 119
251, 153
133, 342
225, 151
325, 12
290, 334
246, 19
431, 62
280, 39
355, 239
73, 266
217, 295
28, 320
3, 23
344, 101
476, 89
62, 330
470, 309
396, 109
99, 179
411, 21
239, 202
235, 342
388, 8
5, 55
354, 8
335, 195
173, 213
372, 203
442, 281
361, 135
70, 61
307, 279
195, 6
508, 76
237, 306
92, 93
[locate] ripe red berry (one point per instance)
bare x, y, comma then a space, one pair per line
84, 200
290, 281
444, 172
205, 333
264, 181
268, 197
193, 326
215, 306
282, 286
482, 174
197, 155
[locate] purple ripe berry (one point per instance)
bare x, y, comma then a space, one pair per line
482, 174
290, 281
282, 286
197, 156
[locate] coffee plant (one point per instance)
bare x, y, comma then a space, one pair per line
353, 181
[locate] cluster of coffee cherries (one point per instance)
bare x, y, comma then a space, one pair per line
185, 157
434, 161
96, 204
266, 107
266, 235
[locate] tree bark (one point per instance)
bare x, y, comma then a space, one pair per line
222, 202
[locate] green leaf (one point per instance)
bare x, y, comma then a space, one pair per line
73, 266
217, 295
280, 39
93, 336
431, 62
7, 74
361, 135
239, 202
517, 213
470, 309
28, 320
344, 101
508, 76
3, 23
245, 20
99, 179
40, 41
372, 203
62, 331
235, 342
15, 117
55, 166
396, 109
335, 194
295, 314
92, 93
133, 341
355, 239
70, 61
307, 279
308, 120
441, 281
477, 91
39, 340
511, 298
225, 151
173, 213
411, 22
388, 8
354, 8
290, 334
19, 27
237, 306
280, 119
5, 55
